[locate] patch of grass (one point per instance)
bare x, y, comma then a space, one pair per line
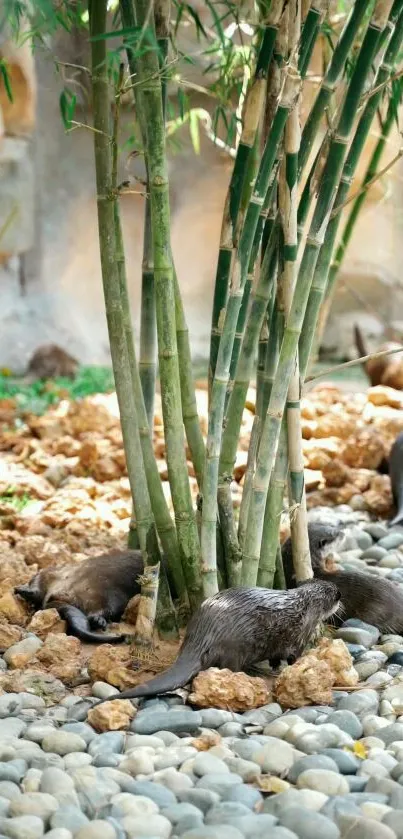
11, 497
37, 397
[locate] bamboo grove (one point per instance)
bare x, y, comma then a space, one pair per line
283, 239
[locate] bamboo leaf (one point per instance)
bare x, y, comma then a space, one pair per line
6, 79
67, 102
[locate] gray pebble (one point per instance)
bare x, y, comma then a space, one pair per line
41, 760
162, 796
77, 760
79, 711
10, 705
34, 804
276, 757
376, 530
97, 829
59, 784
362, 828
394, 820
168, 738
11, 727
230, 729
138, 827
59, 833
282, 833
309, 825
218, 782
347, 721
82, 729
172, 720
354, 635
103, 691
391, 733
9, 790
365, 669
375, 552
323, 780
38, 730
222, 831
106, 759
262, 716
246, 748
392, 540
248, 770
244, 794
256, 825
356, 783
63, 743
206, 764
69, 817
214, 717
356, 623
177, 811
8, 772
360, 702
23, 827
4, 807
317, 761
109, 741
278, 804
227, 812
347, 763
204, 799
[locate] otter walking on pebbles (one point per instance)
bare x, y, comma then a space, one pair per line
370, 599
89, 594
240, 627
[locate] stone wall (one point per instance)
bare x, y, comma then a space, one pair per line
54, 291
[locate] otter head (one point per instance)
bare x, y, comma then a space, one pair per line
32, 592
324, 540
325, 595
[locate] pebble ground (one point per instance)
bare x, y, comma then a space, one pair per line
339, 769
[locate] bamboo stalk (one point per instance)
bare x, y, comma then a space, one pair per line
326, 196
252, 111
310, 30
152, 107
148, 322
322, 279
220, 383
106, 204
330, 81
272, 513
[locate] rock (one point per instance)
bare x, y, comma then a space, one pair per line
323, 780
391, 733
375, 552
111, 716
394, 820
307, 824
354, 636
308, 681
205, 764
229, 691
138, 805
360, 702
142, 826
363, 450
34, 804
23, 827
249, 771
59, 833
10, 705
97, 829
218, 782
9, 635
204, 799
20, 654
318, 762
391, 541
13, 610
105, 660
60, 654
182, 721
275, 757
348, 722
59, 784
36, 682
243, 793
346, 762
222, 831
376, 529
355, 623
103, 691
68, 817
162, 796
46, 621
369, 829
62, 743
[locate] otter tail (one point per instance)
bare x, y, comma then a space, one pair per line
359, 342
182, 671
398, 519
78, 625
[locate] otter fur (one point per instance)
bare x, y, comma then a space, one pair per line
371, 599
386, 370
240, 627
89, 594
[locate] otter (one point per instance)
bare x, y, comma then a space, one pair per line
396, 478
371, 599
50, 361
89, 594
241, 627
386, 370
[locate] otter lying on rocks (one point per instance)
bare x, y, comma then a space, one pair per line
240, 627
89, 594
369, 598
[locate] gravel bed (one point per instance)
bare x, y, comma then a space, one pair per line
59, 778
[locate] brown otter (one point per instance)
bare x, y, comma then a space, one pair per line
89, 594
386, 370
50, 361
396, 478
240, 627
371, 599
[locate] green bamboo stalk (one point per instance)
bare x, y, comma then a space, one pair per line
107, 198
330, 81
151, 104
252, 112
220, 383
322, 280
148, 322
272, 513
326, 196
279, 63
260, 299
248, 479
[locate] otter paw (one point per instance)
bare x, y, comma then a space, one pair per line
97, 621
